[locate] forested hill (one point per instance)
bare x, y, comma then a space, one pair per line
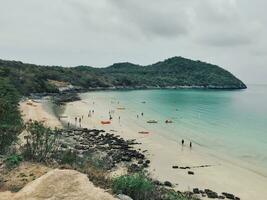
173, 72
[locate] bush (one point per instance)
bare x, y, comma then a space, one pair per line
41, 142
137, 186
68, 157
13, 161
10, 118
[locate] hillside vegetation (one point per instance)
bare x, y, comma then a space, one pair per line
173, 72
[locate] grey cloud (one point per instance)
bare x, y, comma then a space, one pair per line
161, 18
222, 24
230, 33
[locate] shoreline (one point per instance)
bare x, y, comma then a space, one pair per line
162, 159
216, 177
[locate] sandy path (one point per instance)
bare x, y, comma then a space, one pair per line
35, 111
221, 176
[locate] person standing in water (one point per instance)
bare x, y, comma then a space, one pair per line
190, 145
182, 142
142, 114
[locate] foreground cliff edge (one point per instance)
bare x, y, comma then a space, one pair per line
59, 184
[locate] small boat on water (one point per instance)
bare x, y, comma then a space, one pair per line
105, 122
168, 121
143, 132
152, 121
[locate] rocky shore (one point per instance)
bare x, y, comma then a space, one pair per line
112, 149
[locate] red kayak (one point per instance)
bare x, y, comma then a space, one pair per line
105, 122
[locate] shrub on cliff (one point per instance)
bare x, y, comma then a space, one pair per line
41, 142
10, 118
137, 186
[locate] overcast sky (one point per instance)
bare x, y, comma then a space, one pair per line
229, 33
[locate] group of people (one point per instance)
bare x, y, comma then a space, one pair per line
190, 144
78, 120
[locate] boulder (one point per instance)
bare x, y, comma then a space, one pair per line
228, 195
196, 191
190, 173
168, 183
59, 184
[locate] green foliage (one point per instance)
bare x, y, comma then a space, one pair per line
172, 195
10, 118
136, 186
68, 157
177, 71
41, 142
13, 161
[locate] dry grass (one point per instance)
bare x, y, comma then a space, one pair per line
18, 177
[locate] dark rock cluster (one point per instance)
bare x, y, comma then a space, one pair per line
214, 195
114, 148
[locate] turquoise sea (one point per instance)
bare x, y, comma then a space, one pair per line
226, 122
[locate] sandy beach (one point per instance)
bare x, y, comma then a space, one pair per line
216, 174
219, 175
38, 110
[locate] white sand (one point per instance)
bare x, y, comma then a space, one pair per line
32, 110
222, 176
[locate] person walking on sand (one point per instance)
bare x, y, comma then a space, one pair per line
190, 145
68, 125
119, 118
80, 120
182, 142
75, 121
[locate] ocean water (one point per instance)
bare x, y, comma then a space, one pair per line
232, 123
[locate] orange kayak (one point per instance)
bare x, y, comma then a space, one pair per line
105, 122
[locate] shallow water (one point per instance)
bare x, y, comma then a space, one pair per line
230, 123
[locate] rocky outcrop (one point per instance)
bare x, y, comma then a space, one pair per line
59, 185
